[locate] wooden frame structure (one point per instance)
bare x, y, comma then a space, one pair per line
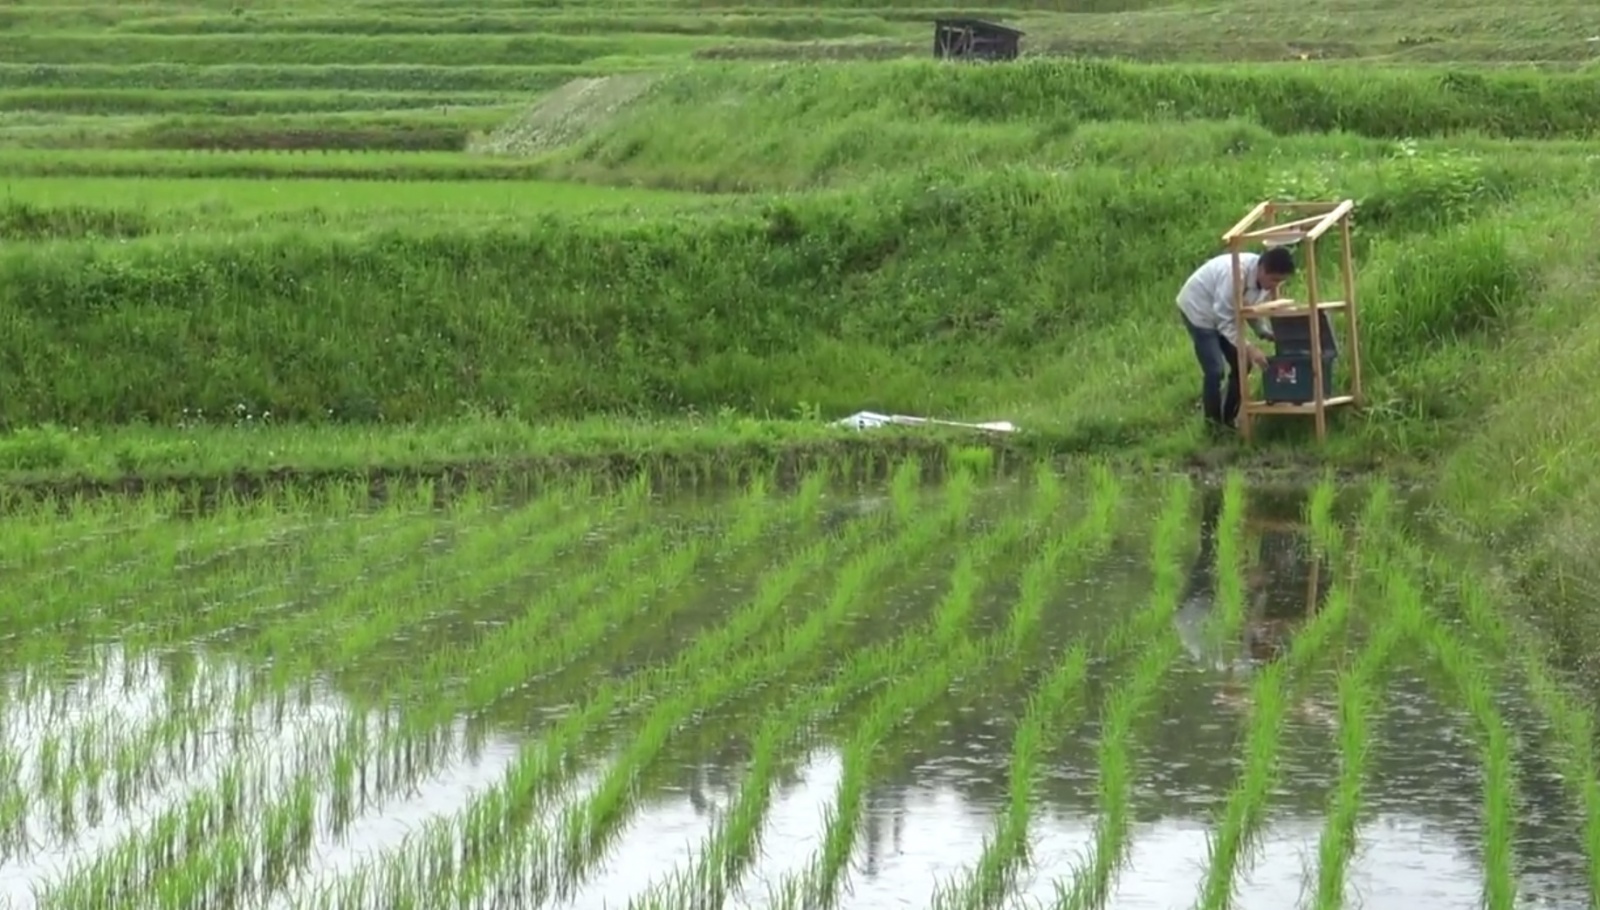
1308, 222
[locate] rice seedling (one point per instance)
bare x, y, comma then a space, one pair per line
1090, 884
1358, 683
1571, 726
1469, 682
316, 675
1500, 648
1231, 565
503, 856
944, 655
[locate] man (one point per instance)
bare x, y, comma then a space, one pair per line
1206, 303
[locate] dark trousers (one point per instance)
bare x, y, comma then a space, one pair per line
1202, 580
1219, 364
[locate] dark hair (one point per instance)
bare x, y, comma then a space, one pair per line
1278, 260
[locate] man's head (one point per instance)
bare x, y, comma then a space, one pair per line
1274, 268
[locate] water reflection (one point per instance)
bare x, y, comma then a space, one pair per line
163, 729
1419, 839
97, 758
1283, 588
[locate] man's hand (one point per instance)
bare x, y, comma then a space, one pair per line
1257, 358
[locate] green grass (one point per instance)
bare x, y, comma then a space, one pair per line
220, 199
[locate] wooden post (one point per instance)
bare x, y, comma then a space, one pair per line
1318, 395
1351, 328
1315, 576
1241, 360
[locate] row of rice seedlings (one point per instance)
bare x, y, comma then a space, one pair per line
120, 874
585, 829
503, 666
13, 806
1358, 686
68, 770
159, 538
734, 837
253, 862
1326, 535
1148, 634
44, 532
358, 617
138, 616
1246, 806
130, 565
944, 654
247, 856
1574, 729
47, 538
1471, 683
212, 711
1570, 725
1231, 563
37, 532
79, 762
498, 834
1271, 692
1054, 701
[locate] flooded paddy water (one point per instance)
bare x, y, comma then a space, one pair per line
1077, 691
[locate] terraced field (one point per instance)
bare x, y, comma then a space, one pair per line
397, 236
394, 75
1071, 690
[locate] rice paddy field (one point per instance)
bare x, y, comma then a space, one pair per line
418, 486
952, 688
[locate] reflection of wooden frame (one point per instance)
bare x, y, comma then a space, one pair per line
1312, 583
1308, 222
1298, 526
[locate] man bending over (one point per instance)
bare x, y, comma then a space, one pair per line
1206, 303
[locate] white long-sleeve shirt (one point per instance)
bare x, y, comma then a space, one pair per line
1206, 299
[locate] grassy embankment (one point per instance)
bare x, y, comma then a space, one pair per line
986, 243
1035, 288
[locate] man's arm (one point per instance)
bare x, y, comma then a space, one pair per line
1227, 324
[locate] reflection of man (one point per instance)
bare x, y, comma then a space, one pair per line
1275, 588
1200, 594
1287, 558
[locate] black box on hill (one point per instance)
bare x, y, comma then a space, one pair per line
1289, 378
